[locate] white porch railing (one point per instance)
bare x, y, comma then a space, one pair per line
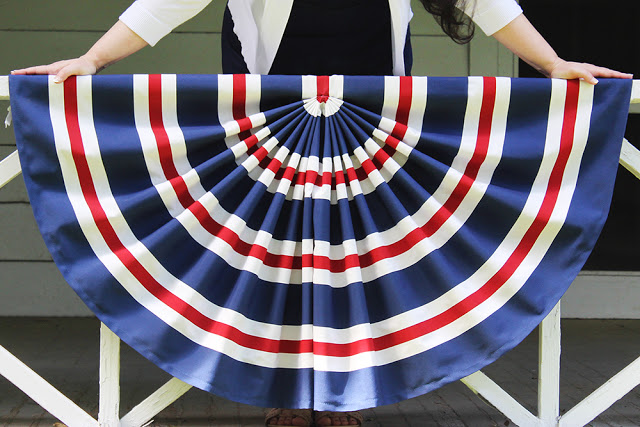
548, 414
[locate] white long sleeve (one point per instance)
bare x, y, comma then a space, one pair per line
154, 19
491, 15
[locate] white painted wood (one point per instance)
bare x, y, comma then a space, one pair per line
109, 399
480, 384
635, 92
605, 396
630, 158
42, 392
4, 87
549, 368
634, 107
152, 405
9, 168
603, 295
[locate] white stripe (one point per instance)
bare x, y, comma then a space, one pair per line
416, 113
252, 110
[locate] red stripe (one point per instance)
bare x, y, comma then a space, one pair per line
404, 106
471, 171
239, 106
244, 124
402, 116
322, 88
287, 173
274, 165
380, 158
251, 143
162, 139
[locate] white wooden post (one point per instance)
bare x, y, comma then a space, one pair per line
549, 368
4, 87
109, 398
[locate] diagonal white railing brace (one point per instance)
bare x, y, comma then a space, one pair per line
109, 401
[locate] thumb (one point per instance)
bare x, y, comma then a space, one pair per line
63, 74
589, 78
74, 67
585, 75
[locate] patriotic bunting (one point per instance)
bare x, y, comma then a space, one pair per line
321, 242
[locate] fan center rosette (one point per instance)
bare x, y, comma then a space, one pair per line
322, 94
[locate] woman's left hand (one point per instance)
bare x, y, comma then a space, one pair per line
524, 40
581, 70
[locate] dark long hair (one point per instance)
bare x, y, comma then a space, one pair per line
453, 21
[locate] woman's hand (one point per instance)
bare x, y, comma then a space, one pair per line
579, 70
117, 43
523, 39
63, 69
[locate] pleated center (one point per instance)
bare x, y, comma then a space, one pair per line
322, 94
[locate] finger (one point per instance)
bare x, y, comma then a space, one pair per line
606, 72
39, 69
42, 69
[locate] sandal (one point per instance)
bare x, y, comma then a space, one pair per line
304, 414
332, 414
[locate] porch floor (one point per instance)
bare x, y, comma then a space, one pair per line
65, 352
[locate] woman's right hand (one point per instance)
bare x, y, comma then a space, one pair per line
63, 69
117, 43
